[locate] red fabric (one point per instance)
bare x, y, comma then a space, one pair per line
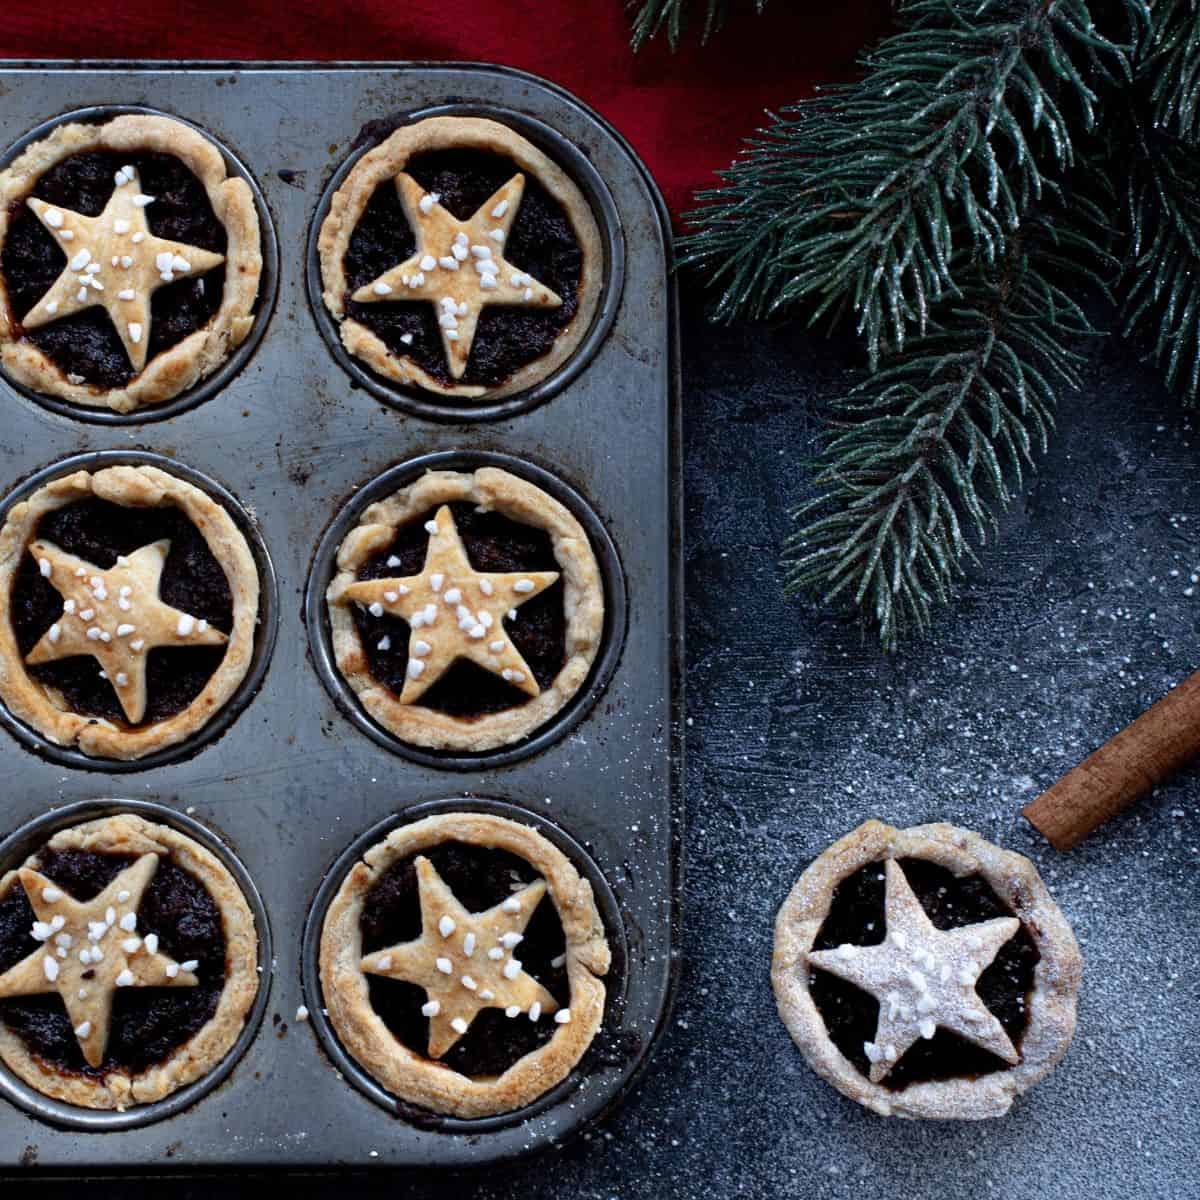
685, 113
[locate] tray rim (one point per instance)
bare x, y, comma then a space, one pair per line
675, 735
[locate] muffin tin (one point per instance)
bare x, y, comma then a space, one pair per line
294, 440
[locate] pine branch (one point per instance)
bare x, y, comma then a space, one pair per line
1150, 162
676, 15
1161, 297
866, 196
923, 451
1172, 65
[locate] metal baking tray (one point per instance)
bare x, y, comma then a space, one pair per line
296, 438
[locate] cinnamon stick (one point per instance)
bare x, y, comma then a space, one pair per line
1163, 739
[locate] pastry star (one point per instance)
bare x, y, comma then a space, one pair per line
116, 616
923, 977
91, 949
113, 260
464, 960
477, 604
458, 265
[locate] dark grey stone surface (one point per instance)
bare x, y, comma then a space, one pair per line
799, 729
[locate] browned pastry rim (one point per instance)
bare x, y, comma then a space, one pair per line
127, 834
134, 487
181, 367
385, 162
421, 1080
583, 601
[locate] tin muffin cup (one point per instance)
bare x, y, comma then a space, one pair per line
612, 639
265, 632
22, 842
605, 1047
452, 409
264, 307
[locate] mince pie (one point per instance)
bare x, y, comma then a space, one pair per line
128, 964
461, 963
128, 607
457, 258
925, 972
129, 262
467, 609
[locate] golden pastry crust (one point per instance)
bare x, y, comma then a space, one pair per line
387, 160
176, 370
130, 834
420, 1080
1016, 881
132, 487
583, 604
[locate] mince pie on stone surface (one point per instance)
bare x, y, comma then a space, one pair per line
129, 262
467, 609
128, 963
926, 972
461, 963
459, 259
128, 607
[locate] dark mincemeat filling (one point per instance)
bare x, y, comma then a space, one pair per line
480, 878
541, 243
192, 581
31, 260
851, 1015
148, 1024
494, 544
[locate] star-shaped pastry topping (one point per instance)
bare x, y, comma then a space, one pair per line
454, 611
90, 949
114, 261
465, 961
116, 616
923, 978
459, 265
